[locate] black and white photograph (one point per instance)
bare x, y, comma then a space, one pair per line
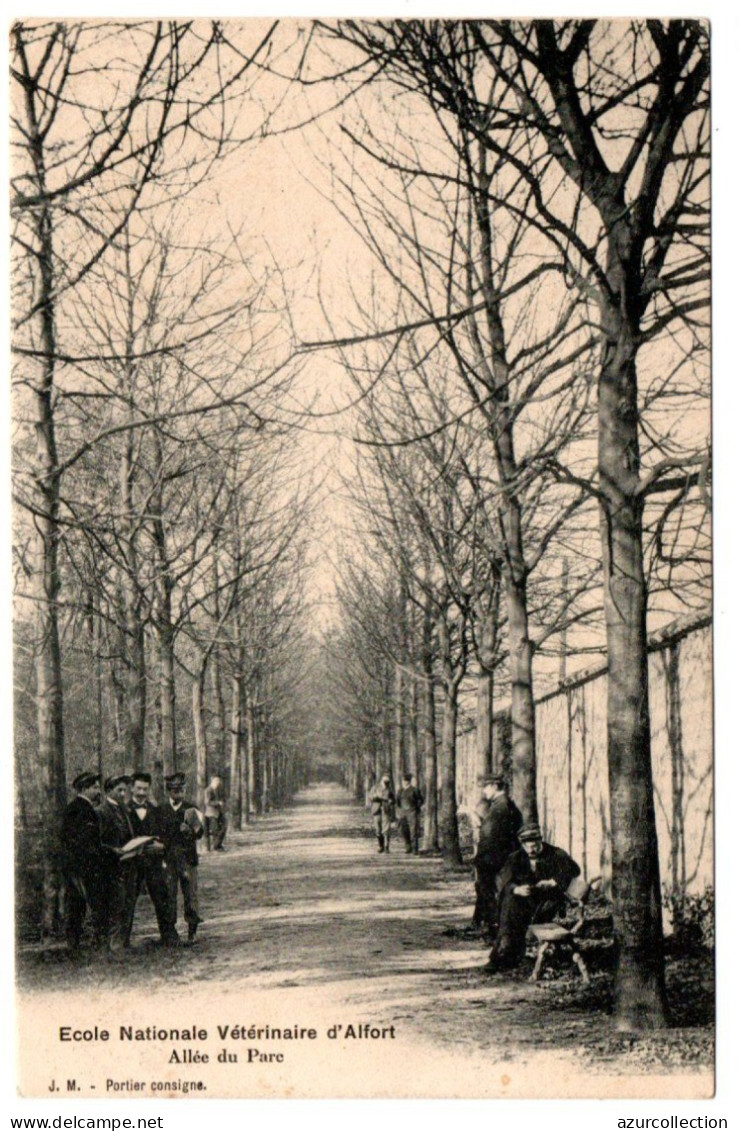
362, 560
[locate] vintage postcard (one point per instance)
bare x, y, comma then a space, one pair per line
362, 558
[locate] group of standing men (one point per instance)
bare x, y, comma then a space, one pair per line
519, 878
115, 843
407, 807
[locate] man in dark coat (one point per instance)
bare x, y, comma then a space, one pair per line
497, 839
410, 803
181, 827
215, 815
145, 818
82, 861
477, 816
531, 885
120, 874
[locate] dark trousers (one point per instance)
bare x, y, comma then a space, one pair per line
215, 832
83, 894
408, 826
517, 913
486, 903
153, 877
120, 888
182, 875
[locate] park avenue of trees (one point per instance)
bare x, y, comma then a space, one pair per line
519, 353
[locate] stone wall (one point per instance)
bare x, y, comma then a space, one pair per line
572, 774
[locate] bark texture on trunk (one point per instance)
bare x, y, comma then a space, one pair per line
134, 644
399, 725
484, 724
198, 723
515, 569
523, 730
428, 731
234, 783
448, 825
46, 536
640, 1001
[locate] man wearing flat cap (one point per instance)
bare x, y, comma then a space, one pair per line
145, 818
496, 840
181, 828
82, 861
531, 885
119, 872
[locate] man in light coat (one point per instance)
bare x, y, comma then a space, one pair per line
383, 811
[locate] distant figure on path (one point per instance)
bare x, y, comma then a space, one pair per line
383, 811
215, 815
410, 803
496, 840
532, 886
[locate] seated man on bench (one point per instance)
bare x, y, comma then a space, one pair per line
531, 887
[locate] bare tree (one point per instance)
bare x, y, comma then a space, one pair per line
106, 118
605, 125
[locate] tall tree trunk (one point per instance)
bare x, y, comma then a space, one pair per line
99, 685
252, 755
387, 721
486, 683
219, 702
501, 428
245, 769
523, 714
168, 739
164, 624
49, 695
134, 656
640, 1000
415, 765
428, 714
46, 533
266, 779
199, 732
398, 725
234, 783
484, 723
380, 730
448, 826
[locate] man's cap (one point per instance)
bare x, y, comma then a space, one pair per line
139, 775
116, 779
407, 777
85, 780
175, 780
492, 779
530, 832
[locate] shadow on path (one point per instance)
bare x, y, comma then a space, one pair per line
302, 903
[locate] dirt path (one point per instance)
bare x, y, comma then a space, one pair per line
306, 924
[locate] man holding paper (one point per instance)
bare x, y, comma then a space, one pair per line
145, 818
118, 863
